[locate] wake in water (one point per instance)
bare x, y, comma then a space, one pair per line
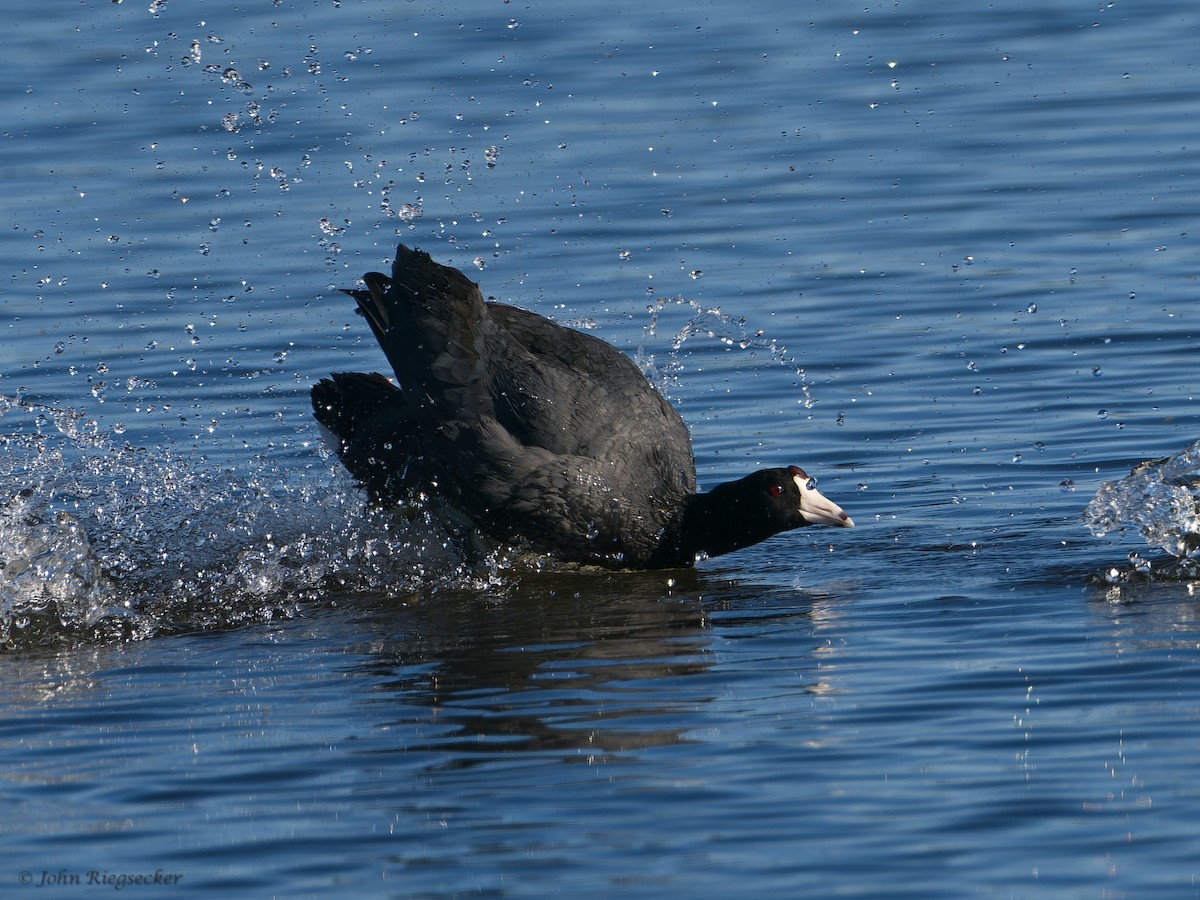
1161, 499
101, 541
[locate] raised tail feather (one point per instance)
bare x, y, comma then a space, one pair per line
368, 423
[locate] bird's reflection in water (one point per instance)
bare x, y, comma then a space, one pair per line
579, 665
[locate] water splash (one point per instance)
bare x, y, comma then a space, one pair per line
1160, 498
710, 322
100, 540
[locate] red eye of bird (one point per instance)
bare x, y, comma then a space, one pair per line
776, 490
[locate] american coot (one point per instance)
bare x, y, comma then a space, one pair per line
542, 436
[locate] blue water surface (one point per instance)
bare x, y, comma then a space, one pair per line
941, 258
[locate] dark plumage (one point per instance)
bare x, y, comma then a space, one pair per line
543, 436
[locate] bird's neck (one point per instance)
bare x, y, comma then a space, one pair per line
712, 526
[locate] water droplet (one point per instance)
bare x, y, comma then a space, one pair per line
1140, 565
329, 228
408, 212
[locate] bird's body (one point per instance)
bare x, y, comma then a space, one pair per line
540, 434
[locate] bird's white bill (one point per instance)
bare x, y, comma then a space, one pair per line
819, 509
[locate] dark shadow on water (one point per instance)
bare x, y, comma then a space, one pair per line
1149, 602
578, 665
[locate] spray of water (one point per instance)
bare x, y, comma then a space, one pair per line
100, 540
1161, 500
711, 323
